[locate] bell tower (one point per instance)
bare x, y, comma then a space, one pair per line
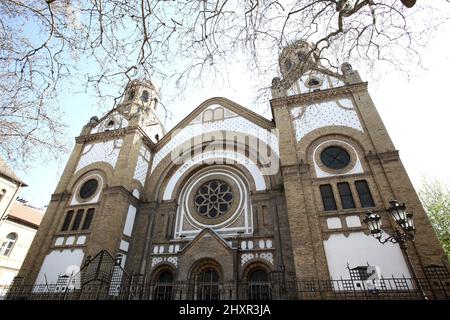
337, 162
141, 101
101, 191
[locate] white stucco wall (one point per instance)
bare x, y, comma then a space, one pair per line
59, 262
359, 249
128, 228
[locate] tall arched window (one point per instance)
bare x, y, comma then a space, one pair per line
8, 244
164, 286
208, 285
258, 285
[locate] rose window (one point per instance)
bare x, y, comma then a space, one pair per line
213, 199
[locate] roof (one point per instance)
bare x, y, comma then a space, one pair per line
6, 171
26, 215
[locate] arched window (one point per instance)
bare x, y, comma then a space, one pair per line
208, 285
164, 286
2, 194
258, 285
8, 244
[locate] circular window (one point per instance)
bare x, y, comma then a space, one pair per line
88, 189
213, 199
335, 157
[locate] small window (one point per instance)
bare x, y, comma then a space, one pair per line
365, 197
77, 222
67, 220
8, 244
110, 123
131, 95
88, 219
346, 195
288, 65
327, 197
313, 82
301, 56
144, 96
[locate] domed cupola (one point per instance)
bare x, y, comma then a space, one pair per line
297, 58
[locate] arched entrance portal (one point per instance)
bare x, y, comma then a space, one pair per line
258, 285
164, 286
208, 284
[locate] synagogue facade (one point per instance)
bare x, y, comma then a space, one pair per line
228, 195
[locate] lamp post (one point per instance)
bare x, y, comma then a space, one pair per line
401, 235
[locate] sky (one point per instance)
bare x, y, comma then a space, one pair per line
415, 112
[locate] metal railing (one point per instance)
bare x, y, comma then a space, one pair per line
103, 278
343, 289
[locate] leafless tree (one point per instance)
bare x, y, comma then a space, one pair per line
49, 44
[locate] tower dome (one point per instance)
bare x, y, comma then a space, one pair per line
299, 55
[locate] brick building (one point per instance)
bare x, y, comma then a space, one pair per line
229, 196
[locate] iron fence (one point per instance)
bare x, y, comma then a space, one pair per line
103, 278
343, 289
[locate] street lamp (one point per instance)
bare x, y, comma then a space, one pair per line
400, 216
401, 235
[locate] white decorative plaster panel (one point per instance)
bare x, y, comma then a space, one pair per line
262, 255
353, 221
233, 124
172, 260
70, 240
128, 228
59, 241
59, 262
334, 223
124, 245
359, 249
331, 113
81, 240
107, 151
140, 173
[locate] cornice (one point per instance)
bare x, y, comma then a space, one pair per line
106, 135
318, 95
384, 156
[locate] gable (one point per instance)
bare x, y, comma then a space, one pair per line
207, 239
217, 114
